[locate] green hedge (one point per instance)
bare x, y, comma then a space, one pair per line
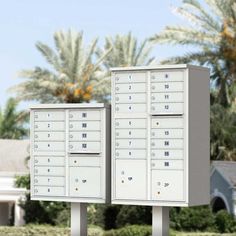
132, 230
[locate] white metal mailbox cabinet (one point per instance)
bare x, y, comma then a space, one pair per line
70, 152
160, 135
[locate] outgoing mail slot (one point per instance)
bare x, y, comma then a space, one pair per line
129, 77
49, 171
167, 87
49, 181
49, 115
167, 143
49, 191
84, 125
130, 98
130, 133
167, 133
167, 154
167, 108
49, 161
167, 164
49, 146
85, 182
85, 136
49, 136
131, 153
77, 147
84, 115
84, 161
130, 179
167, 97
167, 123
162, 76
165, 183
131, 143
49, 126
131, 108
130, 88
130, 123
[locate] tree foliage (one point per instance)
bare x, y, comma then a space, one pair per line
12, 122
75, 74
126, 51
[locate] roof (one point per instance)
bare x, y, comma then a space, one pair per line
227, 169
157, 67
13, 154
69, 105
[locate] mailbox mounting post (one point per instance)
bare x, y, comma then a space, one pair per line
78, 219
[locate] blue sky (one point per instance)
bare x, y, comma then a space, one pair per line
22, 23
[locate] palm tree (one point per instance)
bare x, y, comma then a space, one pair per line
212, 30
125, 51
75, 74
12, 121
223, 133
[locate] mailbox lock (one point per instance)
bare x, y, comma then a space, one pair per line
117, 89
117, 108
36, 190
36, 116
76, 180
76, 189
36, 136
153, 77
117, 78
71, 126
157, 123
71, 116
117, 99
71, 136
153, 98
153, 87
75, 161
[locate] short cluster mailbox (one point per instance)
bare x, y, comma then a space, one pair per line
160, 135
70, 152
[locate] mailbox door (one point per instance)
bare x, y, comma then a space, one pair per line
85, 182
130, 179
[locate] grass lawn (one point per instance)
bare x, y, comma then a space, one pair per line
38, 230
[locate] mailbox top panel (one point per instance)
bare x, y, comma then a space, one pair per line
157, 67
70, 106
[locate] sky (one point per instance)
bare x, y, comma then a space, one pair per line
23, 23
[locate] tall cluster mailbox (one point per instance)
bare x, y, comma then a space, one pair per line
160, 135
70, 152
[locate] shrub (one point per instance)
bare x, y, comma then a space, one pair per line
192, 219
225, 223
131, 215
132, 230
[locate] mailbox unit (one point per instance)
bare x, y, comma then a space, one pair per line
160, 135
70, 152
